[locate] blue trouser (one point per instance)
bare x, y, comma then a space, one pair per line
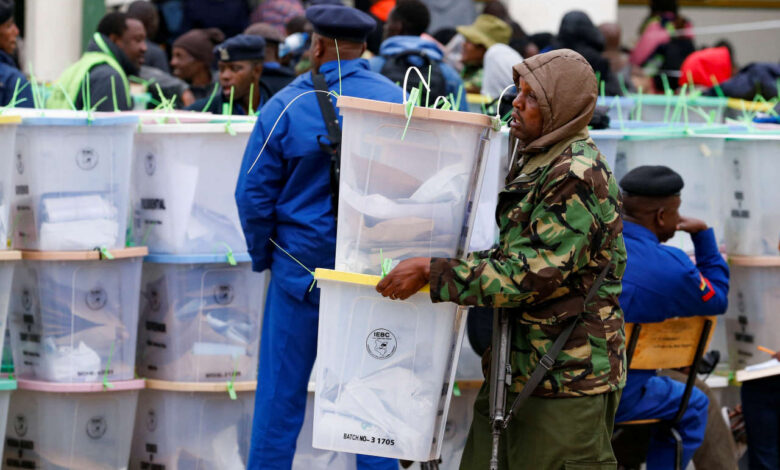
650, 397
288, 347
761, 409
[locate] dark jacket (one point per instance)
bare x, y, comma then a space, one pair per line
9, 77
155, 57
755, 79
100, 80
277, 76
220, 100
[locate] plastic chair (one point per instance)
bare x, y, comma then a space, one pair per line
672, 344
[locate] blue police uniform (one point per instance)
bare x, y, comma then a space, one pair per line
661, 282
286, 197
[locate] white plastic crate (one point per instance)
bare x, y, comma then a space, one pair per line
74, 317
200, 318
70, 426
697, 158
7, 386
190, 426
8, 262
752, 319
619, 108
72, 180
750, 174
410, 197
661, 108
184, 179
7, 171
385, 369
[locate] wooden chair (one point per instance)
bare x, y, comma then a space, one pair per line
672, 344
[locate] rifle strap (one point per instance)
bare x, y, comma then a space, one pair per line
548, 360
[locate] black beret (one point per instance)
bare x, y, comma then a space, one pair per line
241, 47
340, 22
6, 10
652, 181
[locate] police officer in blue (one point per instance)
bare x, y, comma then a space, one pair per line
661, 282
240, 62
283, 194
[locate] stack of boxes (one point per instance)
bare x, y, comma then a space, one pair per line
201, 305
74, 304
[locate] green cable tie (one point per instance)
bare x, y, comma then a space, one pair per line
211, 98
459, 97
384, 263
113, 94
338, 61
446, 106
106, 383
230, 385
456, 390
251, 99
229, 254
105, 254
413, 98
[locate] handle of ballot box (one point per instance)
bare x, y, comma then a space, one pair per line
472, 197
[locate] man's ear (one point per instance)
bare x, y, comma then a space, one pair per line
114, 38
258, 69
660, 217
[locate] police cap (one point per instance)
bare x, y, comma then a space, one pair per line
652, 181
340, 22
241, 47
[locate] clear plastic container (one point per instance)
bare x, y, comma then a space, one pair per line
188, 426
661, 108
619, 108
752, 208
70, 426
469, 363
385, 369
74, 317
200, 319
7, 171
458, 424
309, 458
72, 181
7, 386
184, 179
484, 232
410, 197
752, 320
697, 158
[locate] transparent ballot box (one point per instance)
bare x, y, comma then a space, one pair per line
752, 319
7, 171
72, 182
184, 179
70, 426
406, 189
200, 318
74, 316
385, 369
752, 208
192, 426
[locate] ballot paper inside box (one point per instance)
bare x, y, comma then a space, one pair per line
7, 157
75, 320
749, 176
71, 183
407, 191
200, 318
385, 369
58, 426
697, 158
192, 426
309, 458
184, 178
752, 320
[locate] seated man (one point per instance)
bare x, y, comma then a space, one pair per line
240, 68
661, 282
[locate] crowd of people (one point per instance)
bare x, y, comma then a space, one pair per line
249, 58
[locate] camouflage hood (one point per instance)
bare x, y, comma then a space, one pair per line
566, 90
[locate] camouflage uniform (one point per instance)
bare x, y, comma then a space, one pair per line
560, 225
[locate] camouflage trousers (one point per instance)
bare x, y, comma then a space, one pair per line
546, 434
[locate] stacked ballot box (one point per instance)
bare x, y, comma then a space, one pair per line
71, 182
753, 243
53, 426
193, 426
409, 186
201, 305
184, 178
200, 318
